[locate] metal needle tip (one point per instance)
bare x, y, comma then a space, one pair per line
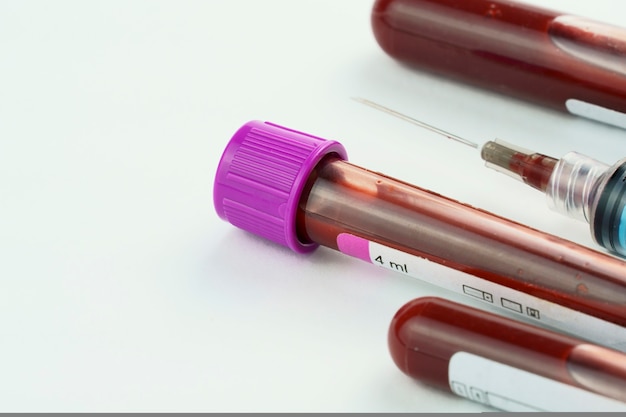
415, 122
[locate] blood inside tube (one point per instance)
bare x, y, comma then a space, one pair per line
597, 43
436, 328
343, 198
601, 369
511, 47
427, 332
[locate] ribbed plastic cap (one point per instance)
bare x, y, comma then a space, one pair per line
261, 176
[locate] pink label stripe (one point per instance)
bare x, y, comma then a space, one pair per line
354, 246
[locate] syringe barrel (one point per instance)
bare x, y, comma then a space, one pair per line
586, 189
415, 231
573, 185
608, 209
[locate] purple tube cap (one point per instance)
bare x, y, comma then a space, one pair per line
260, 178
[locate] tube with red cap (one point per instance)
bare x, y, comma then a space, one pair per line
503, 363
562, 61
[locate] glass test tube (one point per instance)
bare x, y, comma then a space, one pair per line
298, 190
566, 62
504, 363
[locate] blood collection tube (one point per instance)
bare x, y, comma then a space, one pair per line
562, 61
298, 190
575, 185
504, 363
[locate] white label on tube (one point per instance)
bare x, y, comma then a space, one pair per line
511, 389
525, 306
595, 112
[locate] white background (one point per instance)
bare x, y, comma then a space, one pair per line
121, 289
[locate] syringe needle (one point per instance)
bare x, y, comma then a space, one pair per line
416, 122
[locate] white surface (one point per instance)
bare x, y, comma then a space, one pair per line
121, 290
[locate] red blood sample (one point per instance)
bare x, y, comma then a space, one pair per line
426, 332
343, 198
511, 47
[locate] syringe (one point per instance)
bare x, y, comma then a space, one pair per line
576, 185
